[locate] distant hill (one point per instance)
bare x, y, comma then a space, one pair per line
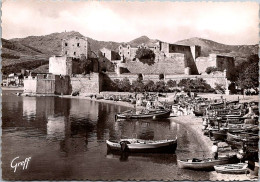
34, 51
240, 52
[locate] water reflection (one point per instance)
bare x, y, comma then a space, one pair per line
156, 158
29, 107
56, 127
145, 129
68, 136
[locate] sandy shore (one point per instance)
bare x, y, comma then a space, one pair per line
119, 103
195, 125
12, 88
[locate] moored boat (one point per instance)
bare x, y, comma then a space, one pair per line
239, 168
219, 135
142, 146
204, 164
130, 114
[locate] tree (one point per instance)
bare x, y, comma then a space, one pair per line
149, 86
249, 73
171, 83
160, 86
197, 85
145, 55
125, 85
137, 86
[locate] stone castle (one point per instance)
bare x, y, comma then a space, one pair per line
67, 72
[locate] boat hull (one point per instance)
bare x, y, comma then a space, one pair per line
203, 165
153, 115
240, 168
167, 147
219, 135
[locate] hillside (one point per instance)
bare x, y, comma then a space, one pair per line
240, 52
34, 51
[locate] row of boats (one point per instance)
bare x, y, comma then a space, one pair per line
222, 164
222, 120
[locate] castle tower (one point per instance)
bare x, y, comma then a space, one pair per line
76, 47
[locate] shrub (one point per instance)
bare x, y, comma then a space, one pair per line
211, 69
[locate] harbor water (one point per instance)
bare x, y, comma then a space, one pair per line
66, 140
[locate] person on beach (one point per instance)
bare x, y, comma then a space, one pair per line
214, 150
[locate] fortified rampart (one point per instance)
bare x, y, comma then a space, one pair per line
174, 65
47, 84
211, 79
90, 83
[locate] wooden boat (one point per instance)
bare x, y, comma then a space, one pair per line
130, 114
240, 168
142, 146
242, 136
219, 135
198, 112
204, 164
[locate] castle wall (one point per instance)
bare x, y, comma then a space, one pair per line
174, 65
212, 80
47, 84
91, 83
62, 85
218, 61
63, 65
57, 65
203, 63
127, 52
30, 85
106, 53
226, 63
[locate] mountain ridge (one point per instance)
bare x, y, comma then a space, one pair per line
39, 48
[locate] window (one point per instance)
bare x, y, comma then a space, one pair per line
74, 53
104, 54
66, 52
66, 44
128, 52
77, 44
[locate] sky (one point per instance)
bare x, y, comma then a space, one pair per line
233, 23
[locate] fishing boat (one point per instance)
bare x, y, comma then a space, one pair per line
142, 146
219, 135
239, 168
204, 164
242, 136
199, 112
130, 114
